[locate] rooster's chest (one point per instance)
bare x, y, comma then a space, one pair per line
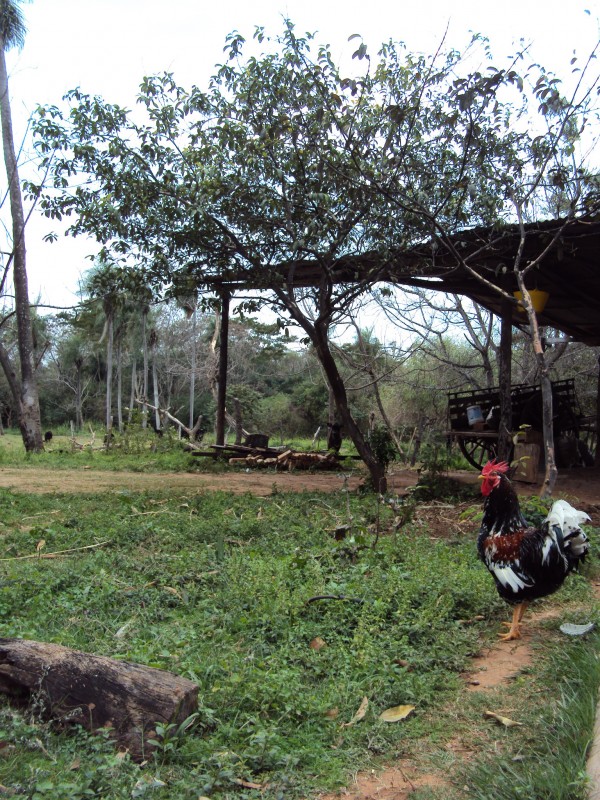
502, 548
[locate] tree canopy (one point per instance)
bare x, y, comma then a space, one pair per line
283, 160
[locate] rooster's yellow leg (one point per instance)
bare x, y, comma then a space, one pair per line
514, 626
522, 608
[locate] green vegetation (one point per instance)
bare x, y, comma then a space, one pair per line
224, 590
556, 706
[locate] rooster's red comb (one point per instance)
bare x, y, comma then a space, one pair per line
495, 466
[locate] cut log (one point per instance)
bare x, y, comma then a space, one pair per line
283, 457
96, 691
299, 460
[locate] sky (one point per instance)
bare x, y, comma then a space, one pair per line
106, 47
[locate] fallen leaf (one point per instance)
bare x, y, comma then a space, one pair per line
145, 784
249, 784
317, 643
124, 628
396, 713
362, 710
508, 723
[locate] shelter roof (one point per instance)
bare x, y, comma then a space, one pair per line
477, 263
569, 270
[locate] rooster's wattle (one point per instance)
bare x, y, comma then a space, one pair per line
526, 562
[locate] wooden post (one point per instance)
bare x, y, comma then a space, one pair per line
597, 459
222, 385
505, 381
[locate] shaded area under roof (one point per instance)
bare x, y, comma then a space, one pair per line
474, 263
569, 272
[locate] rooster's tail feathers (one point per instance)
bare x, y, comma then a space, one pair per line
563, 527
578, 544
566, 517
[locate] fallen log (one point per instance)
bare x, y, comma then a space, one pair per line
95, 691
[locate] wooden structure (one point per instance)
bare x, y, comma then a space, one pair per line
477, 437
477, 263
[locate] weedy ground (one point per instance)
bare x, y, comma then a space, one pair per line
287, 611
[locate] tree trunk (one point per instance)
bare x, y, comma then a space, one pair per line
223, 358
78, 394
133, 392
157, 421
505, 380
546, 387
336, 384
239, 420
29, 406
120, 381
145, 367
386, 420
109, 372
95, 691
193, 367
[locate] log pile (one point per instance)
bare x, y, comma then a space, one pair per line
95, 691
289, 460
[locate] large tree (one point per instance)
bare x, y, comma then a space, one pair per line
24, 391
287, 176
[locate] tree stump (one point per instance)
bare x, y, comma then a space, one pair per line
95, 691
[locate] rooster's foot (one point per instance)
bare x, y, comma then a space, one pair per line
510, 635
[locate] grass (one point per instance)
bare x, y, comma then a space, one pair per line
136, 450
546, 758
220, 589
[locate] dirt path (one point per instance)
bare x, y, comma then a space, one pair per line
577, 484
84, 480
492, 669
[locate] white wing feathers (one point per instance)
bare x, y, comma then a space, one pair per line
510, 577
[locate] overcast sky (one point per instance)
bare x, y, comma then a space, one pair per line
107, 46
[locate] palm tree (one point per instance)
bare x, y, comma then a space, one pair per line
103, 283
12, 34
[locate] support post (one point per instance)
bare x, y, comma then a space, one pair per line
223, 358
597, 458
505, 381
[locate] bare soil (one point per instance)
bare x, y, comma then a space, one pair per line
582, 485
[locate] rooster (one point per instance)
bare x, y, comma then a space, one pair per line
526, 562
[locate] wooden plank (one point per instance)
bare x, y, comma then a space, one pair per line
528, 458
